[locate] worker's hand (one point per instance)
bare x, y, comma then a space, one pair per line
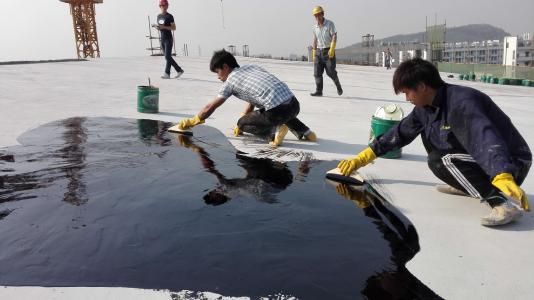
237, 131
348, 166
314, 53
188, 123
331, 53
332, 50
356, 196
505, 183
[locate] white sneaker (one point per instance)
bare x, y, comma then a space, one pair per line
447, 189
501, 214
166, 76
179, 74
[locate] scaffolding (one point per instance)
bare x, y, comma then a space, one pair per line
368, 41
156, 50
232, 49
246, 52
435, 37
84, 23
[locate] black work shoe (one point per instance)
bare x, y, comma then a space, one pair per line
340, 91
317, 94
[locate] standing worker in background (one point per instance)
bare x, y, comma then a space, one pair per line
387, 57
166, 26
323, 52
472, 144
276, 106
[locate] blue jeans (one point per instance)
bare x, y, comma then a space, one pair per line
322, 63
166, 46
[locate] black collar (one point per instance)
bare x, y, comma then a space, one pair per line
440, 97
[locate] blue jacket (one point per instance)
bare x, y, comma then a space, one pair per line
462, 120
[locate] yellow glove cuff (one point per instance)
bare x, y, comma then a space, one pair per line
367, 156
198, 120
502, 176
333, 45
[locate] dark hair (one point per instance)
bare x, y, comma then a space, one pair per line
415, 71
222, 57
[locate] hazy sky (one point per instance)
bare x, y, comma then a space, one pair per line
42, 29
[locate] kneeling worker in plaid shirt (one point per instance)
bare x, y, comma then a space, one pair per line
276, 106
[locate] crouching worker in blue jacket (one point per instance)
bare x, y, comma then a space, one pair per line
471, 143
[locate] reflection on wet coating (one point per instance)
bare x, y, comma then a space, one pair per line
120, 202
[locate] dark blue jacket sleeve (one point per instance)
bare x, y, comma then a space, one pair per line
471, 124
399, 135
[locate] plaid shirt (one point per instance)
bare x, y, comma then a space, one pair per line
256, 86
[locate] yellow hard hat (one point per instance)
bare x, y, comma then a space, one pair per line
317, 10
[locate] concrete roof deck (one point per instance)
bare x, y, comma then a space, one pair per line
459, 259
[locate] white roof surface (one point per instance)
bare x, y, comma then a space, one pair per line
459, 259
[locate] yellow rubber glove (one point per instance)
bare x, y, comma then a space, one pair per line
314, 53
505, 183
332, 51
237, 131
188, 123
363, 158
357, 197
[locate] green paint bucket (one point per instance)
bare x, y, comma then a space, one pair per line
147, 99
504, 81
515, 81
382, 121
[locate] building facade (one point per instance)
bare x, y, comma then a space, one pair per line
513, 51
481, 52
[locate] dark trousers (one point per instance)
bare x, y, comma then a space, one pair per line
166, 46
264, 122
324, 63
462, 172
